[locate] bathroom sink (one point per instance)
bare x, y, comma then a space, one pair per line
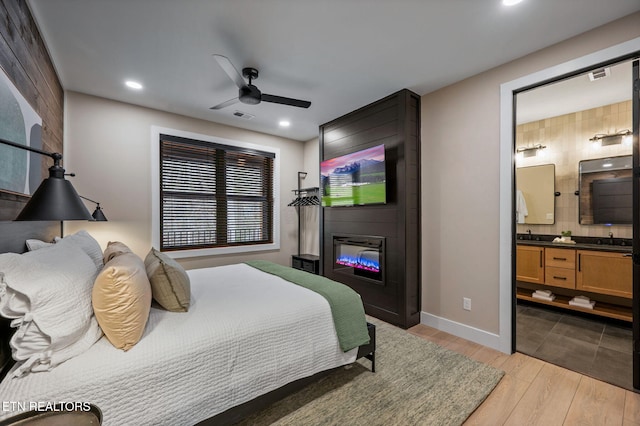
604, 247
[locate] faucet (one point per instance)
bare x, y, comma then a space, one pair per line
611, 238
529, 232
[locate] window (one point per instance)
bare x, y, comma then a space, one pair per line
214, 195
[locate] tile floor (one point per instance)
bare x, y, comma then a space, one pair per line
594, 347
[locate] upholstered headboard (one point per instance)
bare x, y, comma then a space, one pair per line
12, 240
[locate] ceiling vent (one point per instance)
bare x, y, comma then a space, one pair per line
599, 74
244, 115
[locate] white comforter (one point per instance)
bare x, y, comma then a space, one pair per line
246, 333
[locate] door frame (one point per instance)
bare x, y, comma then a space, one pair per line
635, 126
507, 234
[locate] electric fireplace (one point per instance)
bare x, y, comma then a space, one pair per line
361, 256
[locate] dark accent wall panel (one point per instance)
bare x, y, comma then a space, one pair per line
395, 122
25, 59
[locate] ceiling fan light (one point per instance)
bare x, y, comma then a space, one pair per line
249, 94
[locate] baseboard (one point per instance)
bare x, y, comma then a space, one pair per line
464, 331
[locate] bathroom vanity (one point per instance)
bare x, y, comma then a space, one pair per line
600, 269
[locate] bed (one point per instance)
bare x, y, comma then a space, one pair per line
248, 337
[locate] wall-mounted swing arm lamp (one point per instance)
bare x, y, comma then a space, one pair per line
612, 138
55, 199
98, 214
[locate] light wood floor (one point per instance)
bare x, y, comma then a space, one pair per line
534, 392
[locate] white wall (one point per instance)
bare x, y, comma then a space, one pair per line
461, 200
108, 146
310, 215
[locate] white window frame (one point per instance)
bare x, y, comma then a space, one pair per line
156, 131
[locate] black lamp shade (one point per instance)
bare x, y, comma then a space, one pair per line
98, 215
55, 199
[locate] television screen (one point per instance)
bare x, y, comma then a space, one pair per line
612, 200
354, 179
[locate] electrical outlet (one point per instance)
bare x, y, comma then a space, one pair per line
466, 303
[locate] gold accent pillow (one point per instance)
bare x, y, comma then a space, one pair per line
169, 281
122, 300
114, 248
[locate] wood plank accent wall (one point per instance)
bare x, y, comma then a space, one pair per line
395, 122
25, 59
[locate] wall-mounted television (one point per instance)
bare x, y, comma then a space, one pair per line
612, 200
354, 179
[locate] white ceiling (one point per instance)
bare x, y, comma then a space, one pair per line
338, 54
578, 93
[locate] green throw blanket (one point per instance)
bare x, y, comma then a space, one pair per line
346, 305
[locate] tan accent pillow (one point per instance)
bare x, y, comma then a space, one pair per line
114, 248
122, 300
169, 281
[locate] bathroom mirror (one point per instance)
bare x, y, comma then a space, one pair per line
535, 194
606, 194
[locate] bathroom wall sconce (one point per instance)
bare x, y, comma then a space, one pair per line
621, 137
529, 151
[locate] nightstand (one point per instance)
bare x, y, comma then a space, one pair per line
306, 262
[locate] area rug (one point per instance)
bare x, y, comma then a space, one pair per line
416, 383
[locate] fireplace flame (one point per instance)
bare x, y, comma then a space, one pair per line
359, 262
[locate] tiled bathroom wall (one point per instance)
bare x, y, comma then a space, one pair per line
566, 138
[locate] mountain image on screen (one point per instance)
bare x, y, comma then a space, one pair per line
354, 179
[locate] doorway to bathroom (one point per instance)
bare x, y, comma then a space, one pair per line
575, 202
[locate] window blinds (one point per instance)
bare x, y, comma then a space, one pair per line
214, 195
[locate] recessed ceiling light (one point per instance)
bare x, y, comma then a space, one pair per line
133, 84
284, 123
510, 2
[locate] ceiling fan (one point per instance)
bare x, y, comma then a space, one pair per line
248, 93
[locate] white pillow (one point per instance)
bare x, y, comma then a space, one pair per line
47, 294
37, 244
87, 243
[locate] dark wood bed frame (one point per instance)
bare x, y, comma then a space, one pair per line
12, 239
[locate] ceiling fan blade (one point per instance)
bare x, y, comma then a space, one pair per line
231, 71
225, 104
285, 101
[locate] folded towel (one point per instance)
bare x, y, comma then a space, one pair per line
542, 297
581, 299
544, 293
563, 240
589, 305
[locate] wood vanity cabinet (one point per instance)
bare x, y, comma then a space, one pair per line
577, 272
530, 264
604, 272
560, 267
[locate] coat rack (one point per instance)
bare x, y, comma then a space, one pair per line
304, 197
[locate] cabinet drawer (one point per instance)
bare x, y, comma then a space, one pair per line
308, 266
560, 277
560, 258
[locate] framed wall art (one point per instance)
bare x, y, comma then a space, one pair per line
20, 170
